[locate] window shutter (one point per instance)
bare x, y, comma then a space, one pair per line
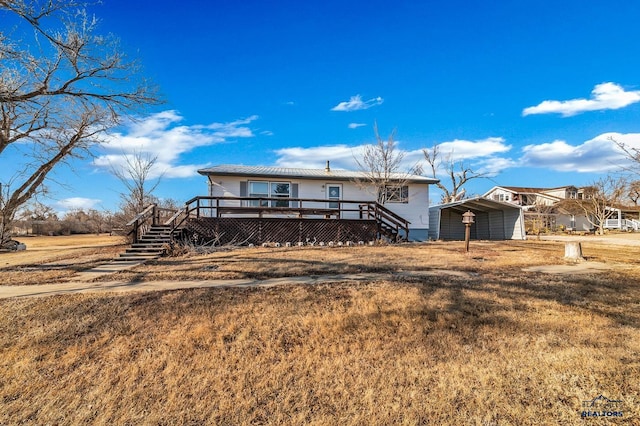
243, 193
294, 194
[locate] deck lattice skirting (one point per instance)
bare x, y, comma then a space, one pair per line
256, 231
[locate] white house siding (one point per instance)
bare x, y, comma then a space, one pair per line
416, 211
499, 194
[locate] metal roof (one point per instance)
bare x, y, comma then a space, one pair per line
322, 174
478, 204
530, 190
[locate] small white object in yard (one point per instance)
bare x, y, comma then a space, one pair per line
287, 244
21, 247
340, 243
300, 244
251, 245
265, 245
321, 243
331, 243
372, 243
349, 243
277, 245
360, 243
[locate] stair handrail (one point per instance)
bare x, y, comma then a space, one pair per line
139, 222
386, 217
183, 214
171, 221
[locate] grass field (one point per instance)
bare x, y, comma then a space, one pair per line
493, 346
55, 259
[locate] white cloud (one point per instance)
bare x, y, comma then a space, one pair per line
356, 103
340, 156
356, 125
76, 203
464, 149
160, 136
603, 96
482, 155
599, 154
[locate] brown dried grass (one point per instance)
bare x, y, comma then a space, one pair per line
49, 260
263, 263
503, 348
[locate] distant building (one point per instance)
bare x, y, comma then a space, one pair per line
528, 197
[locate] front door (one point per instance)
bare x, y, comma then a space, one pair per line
334, 195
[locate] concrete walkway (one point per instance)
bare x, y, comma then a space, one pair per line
119, 286
106, 269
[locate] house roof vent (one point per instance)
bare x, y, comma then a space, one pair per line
327, 168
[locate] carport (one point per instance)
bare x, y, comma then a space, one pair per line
494, 220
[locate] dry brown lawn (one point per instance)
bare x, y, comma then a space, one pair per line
49, 260
503, 347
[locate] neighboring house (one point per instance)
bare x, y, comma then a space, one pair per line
527, 197
310, 197
494, 220
546, 208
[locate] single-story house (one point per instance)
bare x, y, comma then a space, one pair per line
303, 195
494, 220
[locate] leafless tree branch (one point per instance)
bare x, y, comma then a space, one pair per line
59, 92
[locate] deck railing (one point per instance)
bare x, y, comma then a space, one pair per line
389, 223
622, 224
151, 215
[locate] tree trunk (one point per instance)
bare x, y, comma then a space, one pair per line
573, 251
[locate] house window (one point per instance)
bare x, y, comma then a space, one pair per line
259, 189
280, 190
396, 194
277, 190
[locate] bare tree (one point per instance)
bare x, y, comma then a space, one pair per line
136, 175
600, 199
539, 218
631, 153
380, 166
633, 191
456, 170
59, 92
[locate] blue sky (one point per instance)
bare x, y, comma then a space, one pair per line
529, 91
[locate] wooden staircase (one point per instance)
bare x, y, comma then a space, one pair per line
150, 245
391, 226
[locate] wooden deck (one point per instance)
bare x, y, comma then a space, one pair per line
278, 211
257, 231
256, 220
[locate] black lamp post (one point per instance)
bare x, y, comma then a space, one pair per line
467, 219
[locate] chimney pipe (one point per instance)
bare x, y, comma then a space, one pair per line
327, 169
